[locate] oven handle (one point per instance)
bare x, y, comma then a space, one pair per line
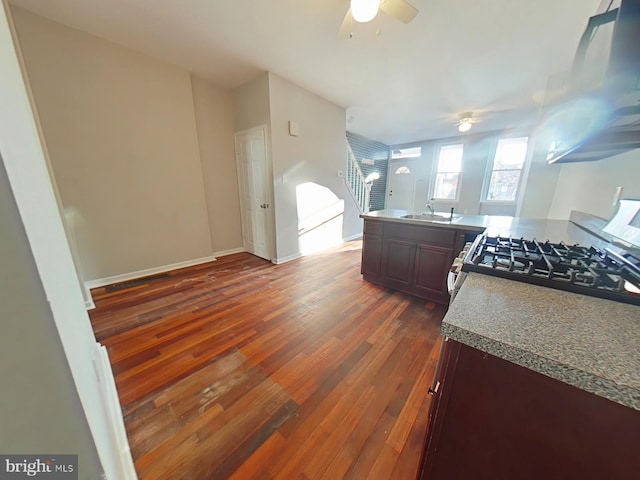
451, 282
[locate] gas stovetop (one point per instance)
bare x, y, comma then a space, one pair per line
587, 270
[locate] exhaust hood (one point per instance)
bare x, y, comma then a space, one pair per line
600, 117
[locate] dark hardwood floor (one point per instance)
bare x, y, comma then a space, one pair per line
243, 369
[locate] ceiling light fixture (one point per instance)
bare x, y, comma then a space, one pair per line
364, 10
464, 125
465, 122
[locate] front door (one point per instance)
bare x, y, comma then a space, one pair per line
255, 198
401, 186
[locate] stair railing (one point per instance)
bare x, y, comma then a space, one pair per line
359, 188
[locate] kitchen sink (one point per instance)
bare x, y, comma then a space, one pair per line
435, 217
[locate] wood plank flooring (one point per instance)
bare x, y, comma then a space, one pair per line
241, 369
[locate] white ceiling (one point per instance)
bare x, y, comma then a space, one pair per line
409, 83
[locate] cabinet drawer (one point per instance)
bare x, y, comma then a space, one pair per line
421, 234
372, 227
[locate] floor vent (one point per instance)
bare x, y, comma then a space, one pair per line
133, 283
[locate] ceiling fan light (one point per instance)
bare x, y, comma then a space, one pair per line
364, 10
464, 126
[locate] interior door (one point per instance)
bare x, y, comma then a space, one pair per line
251, 157
401, 187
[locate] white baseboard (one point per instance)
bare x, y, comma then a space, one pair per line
122, 467
231, 251
280, 261
356, 236
101, 282
88, 302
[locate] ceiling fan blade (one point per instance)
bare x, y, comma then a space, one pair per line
347, 24
399, 9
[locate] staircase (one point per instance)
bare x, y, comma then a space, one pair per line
360, 190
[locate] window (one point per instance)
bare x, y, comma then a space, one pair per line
411, 152
402, 170
448, 172
506, 170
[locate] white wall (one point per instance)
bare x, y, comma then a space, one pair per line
590, 186
214, 121
40, 411
478, 152
549, 191
251, 109
34, 299
314, 156
540, 183
121, 134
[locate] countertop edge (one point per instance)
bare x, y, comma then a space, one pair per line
586, 381
455, 225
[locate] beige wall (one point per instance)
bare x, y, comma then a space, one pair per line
121, 134
214, 121
40, 412
251, 104
590, 186
315, 155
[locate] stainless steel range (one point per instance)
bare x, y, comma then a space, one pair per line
608, 273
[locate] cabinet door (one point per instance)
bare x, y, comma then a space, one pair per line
399, 263
495, 420
432, 265
440, 396
372, 256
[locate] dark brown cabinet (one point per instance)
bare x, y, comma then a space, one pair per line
412, 258
372, 256
432, 266
493, 419
398, 263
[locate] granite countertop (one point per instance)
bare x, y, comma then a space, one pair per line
587, 342
541, 229
459, 222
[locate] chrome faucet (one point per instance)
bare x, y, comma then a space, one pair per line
430, 208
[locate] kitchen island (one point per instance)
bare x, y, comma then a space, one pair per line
414, 255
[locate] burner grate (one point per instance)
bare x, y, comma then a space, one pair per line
576, 268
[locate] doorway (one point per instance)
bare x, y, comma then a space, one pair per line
255, 191
401, 186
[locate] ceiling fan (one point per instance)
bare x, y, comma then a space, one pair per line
466, 121
363, 11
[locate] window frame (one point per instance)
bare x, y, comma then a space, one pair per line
434, 172
489, 170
